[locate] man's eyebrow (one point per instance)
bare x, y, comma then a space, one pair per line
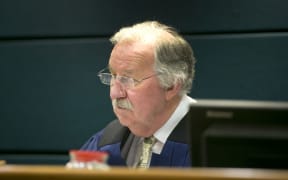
125, 73
128, 71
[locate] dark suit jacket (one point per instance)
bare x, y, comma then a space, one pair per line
111, 139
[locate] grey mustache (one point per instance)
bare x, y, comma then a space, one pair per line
122, 103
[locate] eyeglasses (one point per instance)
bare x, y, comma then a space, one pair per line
126, 82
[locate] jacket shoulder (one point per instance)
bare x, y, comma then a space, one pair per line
113, 133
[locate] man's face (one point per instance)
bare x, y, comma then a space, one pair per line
142, 107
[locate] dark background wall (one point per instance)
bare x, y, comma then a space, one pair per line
50, 51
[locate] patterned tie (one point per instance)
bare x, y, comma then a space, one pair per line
146, 152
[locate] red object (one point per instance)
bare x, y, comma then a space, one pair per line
85, 156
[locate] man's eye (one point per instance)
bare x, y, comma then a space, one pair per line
124, 79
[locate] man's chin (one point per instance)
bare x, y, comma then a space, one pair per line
122, 114
124, 122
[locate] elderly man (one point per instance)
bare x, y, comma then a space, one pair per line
150, 73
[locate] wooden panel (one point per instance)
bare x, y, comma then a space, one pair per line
9, 172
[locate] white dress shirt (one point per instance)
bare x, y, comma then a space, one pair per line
163, 133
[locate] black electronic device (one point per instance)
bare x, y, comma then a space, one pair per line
241, 134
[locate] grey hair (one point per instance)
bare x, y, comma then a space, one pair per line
174, 57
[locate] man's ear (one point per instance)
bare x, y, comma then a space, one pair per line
173, 91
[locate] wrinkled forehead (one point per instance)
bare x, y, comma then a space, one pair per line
131, 56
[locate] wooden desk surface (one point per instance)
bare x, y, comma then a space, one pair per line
33, 172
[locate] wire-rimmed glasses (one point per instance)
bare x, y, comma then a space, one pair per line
127, 82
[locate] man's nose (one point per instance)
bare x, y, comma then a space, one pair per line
117, 90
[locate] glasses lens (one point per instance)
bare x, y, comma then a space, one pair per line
108, 79
127, 82
105, 78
